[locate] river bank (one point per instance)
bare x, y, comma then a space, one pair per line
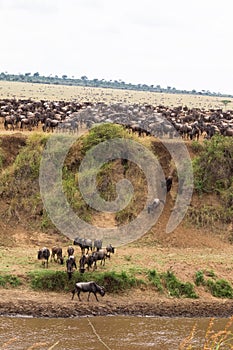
135, 303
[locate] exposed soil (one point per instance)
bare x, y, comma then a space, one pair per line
25, 302
143, 301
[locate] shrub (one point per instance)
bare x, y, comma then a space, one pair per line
58, 280
177, 288
214, 166
220, 288
199, 278
49, 280
154, 278
9, 280
102, 133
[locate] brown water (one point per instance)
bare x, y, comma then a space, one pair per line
100, 333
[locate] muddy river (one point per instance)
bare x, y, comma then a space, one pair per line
100, 333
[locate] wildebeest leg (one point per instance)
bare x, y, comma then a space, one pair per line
73, 293
94, 294
96, 297
79, 295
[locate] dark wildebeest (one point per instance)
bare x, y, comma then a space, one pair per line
90, 287
85, 260
110, 250
167, 183
44, 254
50, 124
9, 120
57, 251
98, 244
100, 255
83, 243
70, 251
70, 265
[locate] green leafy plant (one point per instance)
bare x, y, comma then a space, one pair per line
177, 288
58, 280
9, 281
155, 279
220, 288
199, 278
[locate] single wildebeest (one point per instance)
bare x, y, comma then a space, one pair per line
70, 265
100, 255
70, 251
155, 204
44, 254
9, 121
86, 259
57, 251
98, 244
168, 183
90, 287
110, 249
83, 243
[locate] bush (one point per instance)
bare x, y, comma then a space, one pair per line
58, 280
9, 280
154, 278
208, 215
199, 278
177, 288
214, 167
49, 280
102, 133
220, 288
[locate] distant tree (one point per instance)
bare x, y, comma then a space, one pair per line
96, 82
226, 102
64, 77
36, 75
27, 74
84, 78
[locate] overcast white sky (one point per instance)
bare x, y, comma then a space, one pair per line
185, 44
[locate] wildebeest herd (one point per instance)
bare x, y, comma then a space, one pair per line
160, 121
91, 252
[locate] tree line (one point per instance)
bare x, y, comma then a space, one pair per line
100, 83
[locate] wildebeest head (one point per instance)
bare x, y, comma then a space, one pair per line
102, 291
110, 249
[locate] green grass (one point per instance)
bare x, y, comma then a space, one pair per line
176, 288
219, 288
167, 281
58, 280
9, 281
155, 280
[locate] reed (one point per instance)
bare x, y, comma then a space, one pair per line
213, 340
